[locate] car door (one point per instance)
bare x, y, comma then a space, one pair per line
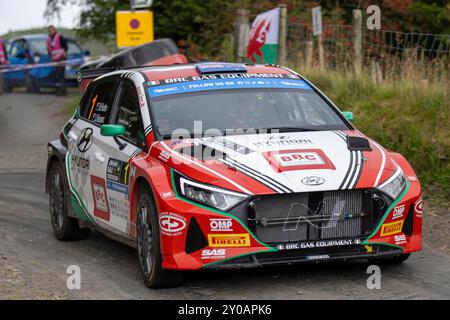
17, 56
90, 192
112, 158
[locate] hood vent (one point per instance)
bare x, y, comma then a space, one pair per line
358, 144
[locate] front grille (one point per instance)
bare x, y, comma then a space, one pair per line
316, 215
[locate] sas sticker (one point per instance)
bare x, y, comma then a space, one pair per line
229, 240
391, 228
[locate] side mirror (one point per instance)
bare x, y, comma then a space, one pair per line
112, 130
348, 115
87, 53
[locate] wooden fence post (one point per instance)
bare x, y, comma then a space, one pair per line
282, 35
309, 54
321, 53
242, 29
357, 40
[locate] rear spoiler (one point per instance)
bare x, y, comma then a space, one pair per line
158, 52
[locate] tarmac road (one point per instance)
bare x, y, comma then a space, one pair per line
33, 263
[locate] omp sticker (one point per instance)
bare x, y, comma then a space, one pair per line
398, 212
229, 240
391, 228
219, 224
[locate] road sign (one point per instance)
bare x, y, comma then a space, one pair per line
317, 21
134, 28
141, 4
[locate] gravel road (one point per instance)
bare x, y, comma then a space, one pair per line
33, 263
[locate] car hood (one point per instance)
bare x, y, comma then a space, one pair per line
280, 162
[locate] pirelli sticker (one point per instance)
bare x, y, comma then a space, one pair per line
229, 240
391, 228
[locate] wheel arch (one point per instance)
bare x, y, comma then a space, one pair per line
56, 154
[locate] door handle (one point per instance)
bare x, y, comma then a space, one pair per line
99, 157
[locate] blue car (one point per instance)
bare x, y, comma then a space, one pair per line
32, 49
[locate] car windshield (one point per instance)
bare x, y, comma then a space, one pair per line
40, 46
252, 110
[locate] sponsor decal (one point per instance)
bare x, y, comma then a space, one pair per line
85, 139
400, 239
221, 224
80, 164
213, 253
226, 83
171, 224
229, 240
167, 195
300, 159
318, 244
225, 144
398, 212
318, 257
391, 228
117, 175
164, 156
275, 140
313, 181
418, 208
101, 206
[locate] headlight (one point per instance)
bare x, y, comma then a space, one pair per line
208, 195
394, 185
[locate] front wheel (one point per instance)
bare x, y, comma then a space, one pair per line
148, 245
64, 227
31, 84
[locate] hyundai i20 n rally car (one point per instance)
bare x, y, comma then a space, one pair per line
218, 165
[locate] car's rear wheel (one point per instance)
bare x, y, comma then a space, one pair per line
391, 260
64, 227
148, 245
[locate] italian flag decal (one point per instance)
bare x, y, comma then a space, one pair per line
262, 45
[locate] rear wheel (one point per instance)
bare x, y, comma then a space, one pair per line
64, 227
391, 260
148, 245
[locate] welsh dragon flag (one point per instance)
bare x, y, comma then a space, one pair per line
262, 45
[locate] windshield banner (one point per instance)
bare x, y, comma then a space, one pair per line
156, 90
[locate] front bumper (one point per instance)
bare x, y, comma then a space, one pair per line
220, 240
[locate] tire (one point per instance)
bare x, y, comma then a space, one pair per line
7, 88
392, 260
148, 245
65, 228
31, 84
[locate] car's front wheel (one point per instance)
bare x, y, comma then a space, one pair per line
31, 84
148, 245
64, 227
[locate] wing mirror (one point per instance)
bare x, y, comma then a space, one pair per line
348, 115
114, 130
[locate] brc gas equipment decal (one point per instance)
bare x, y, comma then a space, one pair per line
300, 159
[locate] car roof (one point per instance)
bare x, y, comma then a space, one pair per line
38, 36
190, 70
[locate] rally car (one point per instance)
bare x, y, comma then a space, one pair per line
220, 165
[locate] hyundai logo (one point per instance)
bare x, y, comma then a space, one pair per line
313, 181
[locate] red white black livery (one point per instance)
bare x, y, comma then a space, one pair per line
220, 165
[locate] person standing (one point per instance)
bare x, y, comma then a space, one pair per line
57, 50
3, 61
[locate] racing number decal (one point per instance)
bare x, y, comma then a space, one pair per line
101, 205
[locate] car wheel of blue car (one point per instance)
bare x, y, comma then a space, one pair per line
31, 84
